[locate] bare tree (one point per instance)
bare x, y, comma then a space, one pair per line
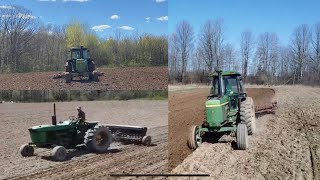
230, 58
185, 35
267, 55
173, 56
17, 29
300, 47
211, 42
246, 50
315, 56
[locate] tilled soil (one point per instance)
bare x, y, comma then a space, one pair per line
17, 118
286, 145
137, 78
188, 108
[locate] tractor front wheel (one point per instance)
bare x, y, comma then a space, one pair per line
194, 139
146, 140
242, 137
90, 76
59, 153
98, 139
68, 77
95, 76
26, 150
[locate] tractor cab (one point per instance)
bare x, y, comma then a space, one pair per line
230, 82
79, 53
79, 61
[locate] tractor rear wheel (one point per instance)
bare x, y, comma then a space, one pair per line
26, 150
59, 153
247, 115
146, 140
242, 137
68, 77
98, 139
194, 140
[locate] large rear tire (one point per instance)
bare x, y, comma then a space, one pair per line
26, 150
59, 153
247, 115
98, 139
194, 140
242, 137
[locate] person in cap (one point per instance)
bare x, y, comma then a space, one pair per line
81, 114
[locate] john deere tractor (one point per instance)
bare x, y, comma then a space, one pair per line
228, 110
73, 132
80, 65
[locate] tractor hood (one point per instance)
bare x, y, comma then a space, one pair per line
45, 128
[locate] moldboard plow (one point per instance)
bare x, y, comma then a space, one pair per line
268, 108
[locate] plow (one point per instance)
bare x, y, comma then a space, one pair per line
268, 108
73, 132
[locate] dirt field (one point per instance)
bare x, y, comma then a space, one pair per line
17, 118
286, 145
139, 78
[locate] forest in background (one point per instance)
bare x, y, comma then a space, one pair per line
27, 96
261, 58
26, 44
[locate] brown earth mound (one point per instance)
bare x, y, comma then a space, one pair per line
133, 78
187, 108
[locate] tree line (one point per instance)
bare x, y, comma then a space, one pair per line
26, 44
28, 96
261, 59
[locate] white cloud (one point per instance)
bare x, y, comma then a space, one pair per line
115, 17
101, 27
128, 28
7, 7
75, 0
148, 19
23, 16
160, 1
163, 18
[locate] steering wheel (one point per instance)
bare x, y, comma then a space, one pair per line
73, 119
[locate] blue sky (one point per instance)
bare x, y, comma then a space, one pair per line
280, 17
129, 16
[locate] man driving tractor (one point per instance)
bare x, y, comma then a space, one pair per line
81, 114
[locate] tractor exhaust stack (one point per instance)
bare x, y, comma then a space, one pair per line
54, 117
220, 83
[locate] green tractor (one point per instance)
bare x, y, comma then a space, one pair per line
228, 110
71, 133
80, 65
